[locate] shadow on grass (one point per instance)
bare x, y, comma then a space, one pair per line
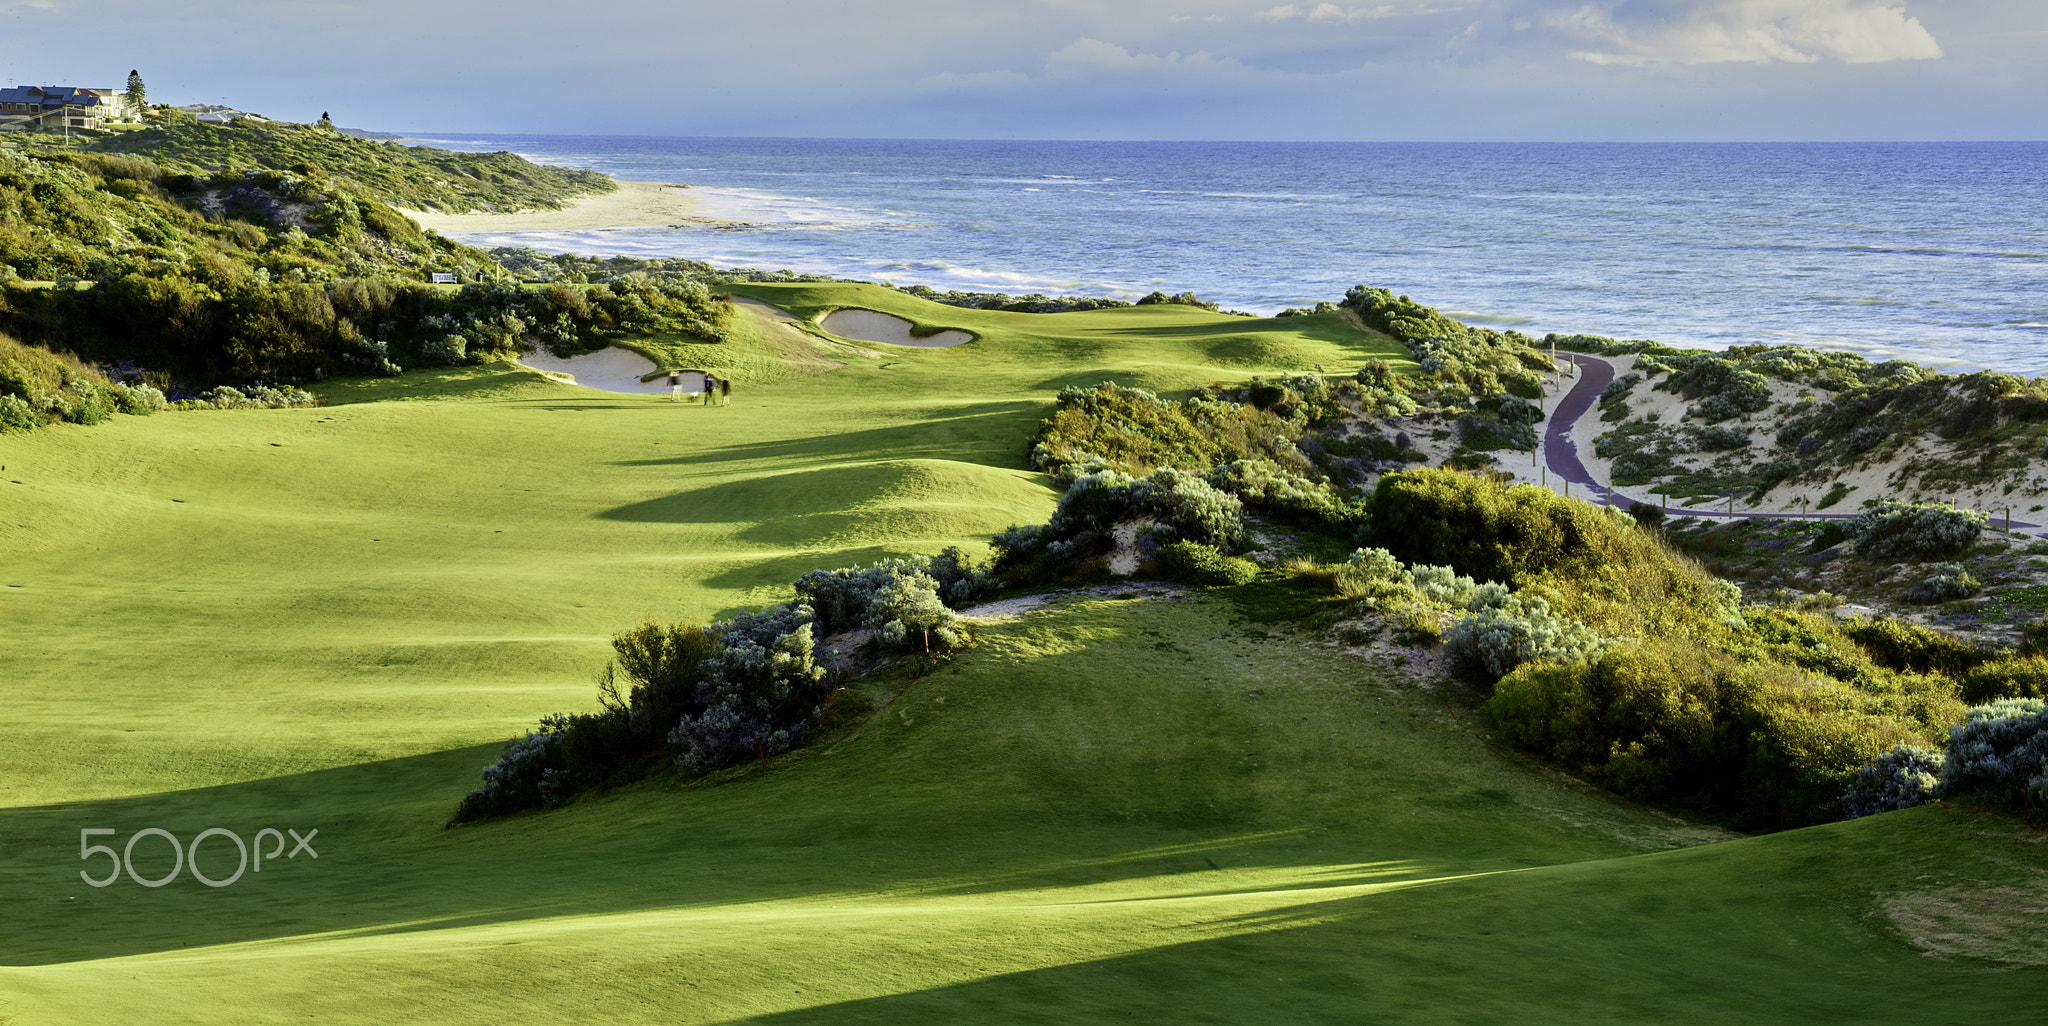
386, 864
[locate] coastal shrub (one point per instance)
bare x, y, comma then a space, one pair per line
522, 778
1894, 530
1719, 439
1648, 514
1179, 504
1670, 720
1914, 648
764, 694
1461, 361
17, 415
1198, 564
1135, 431
2023, 676
1950, 583
1906, 776
1618, 389
1270, 489
1999, 748
1723, 387
845, 599
1496, 639
908, 613
1864, 437
1481, 528
1383, 392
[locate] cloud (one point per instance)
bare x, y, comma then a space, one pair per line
1093, 58
955, 81
1753, 31
1328, 13
1088, 61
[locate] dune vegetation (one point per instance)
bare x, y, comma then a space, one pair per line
1122, 801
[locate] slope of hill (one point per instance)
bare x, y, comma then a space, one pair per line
1140, 805
413, 177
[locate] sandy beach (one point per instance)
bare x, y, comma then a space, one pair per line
635, 203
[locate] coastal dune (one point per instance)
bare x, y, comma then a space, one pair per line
635, 203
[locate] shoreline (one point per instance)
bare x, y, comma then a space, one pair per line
635, 204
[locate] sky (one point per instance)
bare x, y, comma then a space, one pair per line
1368, 70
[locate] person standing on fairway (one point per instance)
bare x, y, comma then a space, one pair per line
710, 387
725, 391
675, 386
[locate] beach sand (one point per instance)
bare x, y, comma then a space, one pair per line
635, 203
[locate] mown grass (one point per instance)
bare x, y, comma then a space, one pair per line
327, 618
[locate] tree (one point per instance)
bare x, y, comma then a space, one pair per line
137, 94
325, 121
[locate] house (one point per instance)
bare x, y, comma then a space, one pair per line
58, 108
216, 114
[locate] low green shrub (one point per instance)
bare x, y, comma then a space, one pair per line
1998, 749
2023, 676
1490, 532
1906, 776
1194, 563
1913, 648
1894, 530
1495, 639
524, 777
1950, 584
1670, 720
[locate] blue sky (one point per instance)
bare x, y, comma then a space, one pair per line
1080, 69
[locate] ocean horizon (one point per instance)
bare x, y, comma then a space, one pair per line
1933, 252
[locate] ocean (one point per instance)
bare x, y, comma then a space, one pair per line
1934, 252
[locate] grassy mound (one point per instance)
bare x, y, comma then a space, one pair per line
1112, 809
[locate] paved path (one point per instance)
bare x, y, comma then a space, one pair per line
1561, 453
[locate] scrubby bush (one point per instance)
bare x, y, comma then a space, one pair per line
1671, 720
2024, 676
1459, 360
1134, 431
847, 599
1719, 439
523, 777
1906, 776
1195, 563
1864, 437
1382, 392
1950, 583
1268, 488
1917, 530
763, 694
1496, 639
1728, 389
1913, 648
1483, 529
909, 613
1999, 748
1179, 504
702, 698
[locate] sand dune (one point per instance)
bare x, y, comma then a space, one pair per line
636, 203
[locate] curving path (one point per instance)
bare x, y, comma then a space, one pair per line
1561, 453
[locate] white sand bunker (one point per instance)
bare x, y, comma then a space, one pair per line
611, 369
875, 326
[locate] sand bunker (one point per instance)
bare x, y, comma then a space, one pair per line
613, 370
875, 326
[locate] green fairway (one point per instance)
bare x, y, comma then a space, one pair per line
1115, 809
